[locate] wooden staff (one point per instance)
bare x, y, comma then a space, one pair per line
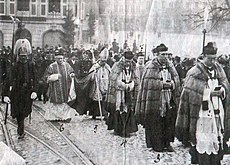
98, 95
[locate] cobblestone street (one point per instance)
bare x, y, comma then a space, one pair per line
97, 143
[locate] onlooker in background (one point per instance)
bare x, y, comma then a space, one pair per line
125, 45
224, 62
140, 66
178, 67
134, 46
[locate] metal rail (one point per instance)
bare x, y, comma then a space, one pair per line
76, 149
45, 144
8, 138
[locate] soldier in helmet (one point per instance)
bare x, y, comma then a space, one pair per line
20, 89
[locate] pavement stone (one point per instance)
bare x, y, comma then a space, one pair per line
104, 148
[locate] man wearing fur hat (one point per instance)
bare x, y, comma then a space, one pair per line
156, 101
201, 115
101, 83
20, 88
122, 96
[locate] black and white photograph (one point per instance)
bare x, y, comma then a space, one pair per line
114, 82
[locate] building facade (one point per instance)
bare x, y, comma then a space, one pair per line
42, 18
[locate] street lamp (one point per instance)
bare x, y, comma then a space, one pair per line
205, 24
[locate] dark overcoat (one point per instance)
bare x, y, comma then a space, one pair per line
23, 82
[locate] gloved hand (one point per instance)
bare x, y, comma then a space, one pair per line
33, 95
6, 99
72, 75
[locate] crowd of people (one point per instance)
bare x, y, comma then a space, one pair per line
169, 97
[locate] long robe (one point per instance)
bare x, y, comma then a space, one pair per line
191, 101
59, 92
149, 104
99, 88
121, 120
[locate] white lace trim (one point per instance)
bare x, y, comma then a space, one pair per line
207, 132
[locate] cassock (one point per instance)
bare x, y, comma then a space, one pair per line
58, 77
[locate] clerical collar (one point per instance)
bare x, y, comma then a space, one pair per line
209, 68
163, 65
210, 71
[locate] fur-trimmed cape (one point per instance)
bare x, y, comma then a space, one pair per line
191, 100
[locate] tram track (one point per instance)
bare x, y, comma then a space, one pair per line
79, 153
10, 143
6, 134
62, 151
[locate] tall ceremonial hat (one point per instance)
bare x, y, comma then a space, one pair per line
104, 54
128, 55
210, 50
160, 48
23, 47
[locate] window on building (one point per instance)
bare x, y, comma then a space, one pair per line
2, 7
64, 7
133, 10
43, 7
116, 8
82, 15
163, 4
121, 9
33, 7
12, 7
76, 10
155, 4
64, 10
196, 5
23, 5
54, 6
